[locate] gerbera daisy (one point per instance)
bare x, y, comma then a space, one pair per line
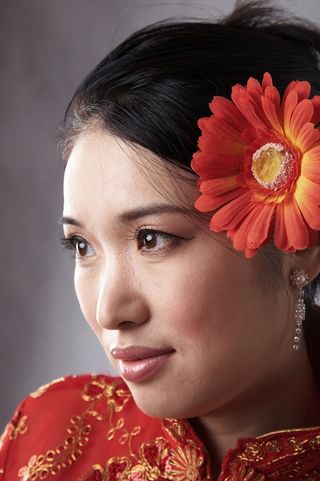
259, 166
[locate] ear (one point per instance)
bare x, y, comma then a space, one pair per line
308, 260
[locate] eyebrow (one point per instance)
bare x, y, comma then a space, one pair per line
138, 212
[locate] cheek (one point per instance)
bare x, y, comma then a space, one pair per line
87, 297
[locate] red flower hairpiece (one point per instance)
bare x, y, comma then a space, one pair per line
259, 166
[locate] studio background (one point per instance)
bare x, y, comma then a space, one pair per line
46, 47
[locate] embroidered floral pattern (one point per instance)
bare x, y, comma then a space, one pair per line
244, 473
149, 465
19, 425
105, 398
184, 464
51, 463
176, 455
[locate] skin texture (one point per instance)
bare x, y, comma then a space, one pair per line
228, 319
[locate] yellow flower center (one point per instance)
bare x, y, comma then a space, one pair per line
272, 165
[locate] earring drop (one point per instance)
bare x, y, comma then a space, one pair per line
299, 279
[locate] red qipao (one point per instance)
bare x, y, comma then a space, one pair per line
88, 428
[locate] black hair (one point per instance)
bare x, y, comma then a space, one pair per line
152, 88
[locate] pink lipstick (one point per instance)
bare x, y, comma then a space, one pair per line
137, 363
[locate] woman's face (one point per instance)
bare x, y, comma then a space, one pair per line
181, 316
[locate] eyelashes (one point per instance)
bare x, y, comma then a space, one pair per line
149, 242
76, 244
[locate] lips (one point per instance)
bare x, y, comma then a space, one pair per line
138, 363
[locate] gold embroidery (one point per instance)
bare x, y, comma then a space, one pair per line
106, 399
244, 473
184, 464
175, 429
40, 466
274, 446
19, 427
151, 465
253, 452
42, 389
295, 445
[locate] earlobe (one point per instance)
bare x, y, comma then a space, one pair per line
308, 260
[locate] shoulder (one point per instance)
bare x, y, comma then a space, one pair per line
76, 389
73, 418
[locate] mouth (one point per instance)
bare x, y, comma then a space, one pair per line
138, 363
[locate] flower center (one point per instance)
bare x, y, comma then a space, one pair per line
272, 165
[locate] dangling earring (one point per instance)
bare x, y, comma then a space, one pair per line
299, 279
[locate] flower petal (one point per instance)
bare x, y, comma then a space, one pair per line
297, 232
229, 216
302, 114
248, 107
280, 237
254, 230
310, 212
215, 187
316, 105
260, 228
219, 128
307, 137
224, 108
206, 203
312, 189
310, 166
267, 80
211, 165
272, 114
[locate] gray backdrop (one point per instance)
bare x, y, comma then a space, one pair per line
46, 47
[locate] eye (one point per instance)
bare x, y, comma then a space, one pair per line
79, 246
152, 240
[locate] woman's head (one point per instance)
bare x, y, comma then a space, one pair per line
148, 273
131, 131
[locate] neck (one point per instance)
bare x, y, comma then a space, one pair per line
287, 403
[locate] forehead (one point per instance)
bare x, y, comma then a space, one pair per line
104, 170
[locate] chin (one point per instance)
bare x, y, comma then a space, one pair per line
161, 406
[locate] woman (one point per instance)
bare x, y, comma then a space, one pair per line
198, 298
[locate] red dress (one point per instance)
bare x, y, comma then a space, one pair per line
88, 428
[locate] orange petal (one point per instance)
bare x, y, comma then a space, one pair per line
272, 93
297, 232
301, 88
302, 114
255, 90
215, 187
206, 203
240, 237
248, 108
311, 189
259, 230
316, 105
231, 214
219, 128
288, 106
267, 80
310, 165
224, 108
208, 166
307, 137
272, 114
212, 144
280, 234
310, 212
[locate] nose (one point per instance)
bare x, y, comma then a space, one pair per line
120, 301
